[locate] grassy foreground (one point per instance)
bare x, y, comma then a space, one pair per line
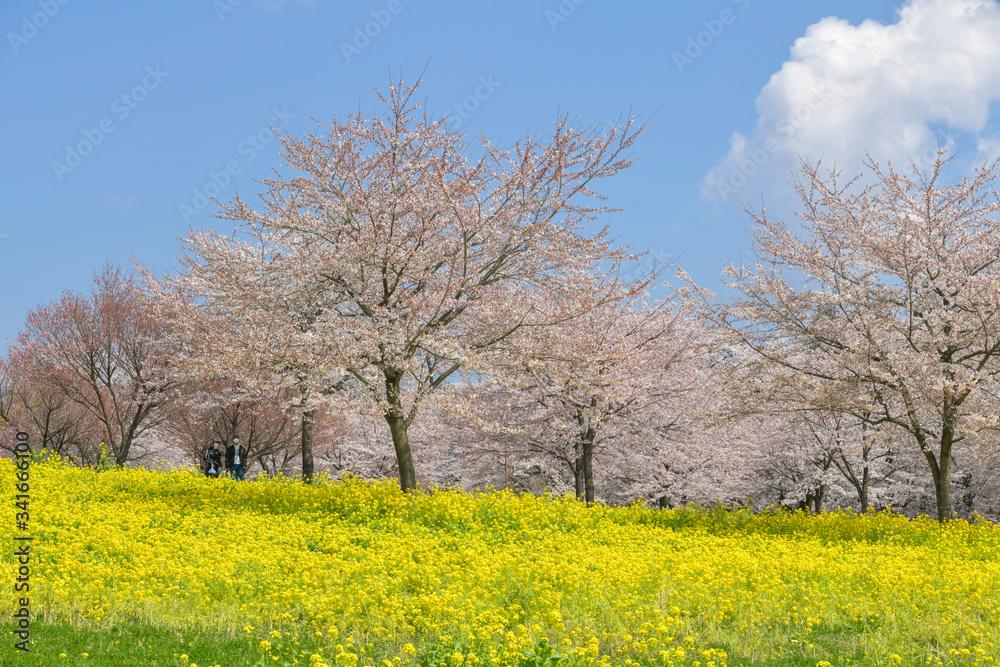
213, 572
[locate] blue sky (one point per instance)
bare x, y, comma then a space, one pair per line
116, 114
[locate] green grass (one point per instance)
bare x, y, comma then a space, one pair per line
124, 646
137, 645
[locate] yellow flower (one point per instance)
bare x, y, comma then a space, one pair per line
490, 575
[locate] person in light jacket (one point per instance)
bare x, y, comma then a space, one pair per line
236, 458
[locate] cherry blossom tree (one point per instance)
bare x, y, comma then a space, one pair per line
496, 435
594, 398
885, 308
793, 462
384, 253
358, 447
8, 410
808, 451
865, 456
978, 479
101, 352
55, 422
694, 446
601, 371
241, 316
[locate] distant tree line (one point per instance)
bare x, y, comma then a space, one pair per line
406, 302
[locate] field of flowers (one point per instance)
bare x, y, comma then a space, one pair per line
356, 573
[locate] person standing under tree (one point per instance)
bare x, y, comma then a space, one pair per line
236, 456
213, 459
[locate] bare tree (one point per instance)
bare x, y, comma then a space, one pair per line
101, 353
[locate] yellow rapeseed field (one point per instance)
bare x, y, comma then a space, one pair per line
375, 577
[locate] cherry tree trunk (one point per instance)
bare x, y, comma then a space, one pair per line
863, 491
120, 453
578, 473
941, 465
942, 481
588, 465
404, 457
941, 472
308, 424
400, 438
942, 489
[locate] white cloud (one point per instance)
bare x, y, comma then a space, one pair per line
989, 147
878, 88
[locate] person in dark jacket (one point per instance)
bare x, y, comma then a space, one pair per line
236, 458
213, 459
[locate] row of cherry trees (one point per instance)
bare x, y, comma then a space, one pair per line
884, 309
94, 379
402, 285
